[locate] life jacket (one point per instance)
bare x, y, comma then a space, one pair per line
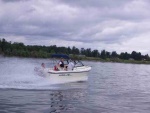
62, 64
55, 68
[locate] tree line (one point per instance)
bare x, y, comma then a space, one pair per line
36, 51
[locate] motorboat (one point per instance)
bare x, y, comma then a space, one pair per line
78, 73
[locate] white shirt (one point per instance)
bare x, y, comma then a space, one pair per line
70, 66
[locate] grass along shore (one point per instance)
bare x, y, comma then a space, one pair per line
117, 60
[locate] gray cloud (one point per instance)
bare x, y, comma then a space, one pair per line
76, 21
95, 3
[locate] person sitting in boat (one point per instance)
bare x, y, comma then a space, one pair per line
61, 65
43, 65
70, 65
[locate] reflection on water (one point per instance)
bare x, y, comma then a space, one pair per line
57, 103
66, 101
28, 101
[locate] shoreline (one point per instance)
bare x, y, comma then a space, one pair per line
114, 60
117, 61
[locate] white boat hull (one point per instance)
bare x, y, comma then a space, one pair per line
78, 74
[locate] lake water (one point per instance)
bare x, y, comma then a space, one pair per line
111, 88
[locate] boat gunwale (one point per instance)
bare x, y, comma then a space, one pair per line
65, 72
72, 71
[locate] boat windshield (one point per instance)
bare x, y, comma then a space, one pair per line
78, 63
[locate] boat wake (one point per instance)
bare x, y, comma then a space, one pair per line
26, 74
35, 80
32, 79
39, 71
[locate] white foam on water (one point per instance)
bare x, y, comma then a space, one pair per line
18, 73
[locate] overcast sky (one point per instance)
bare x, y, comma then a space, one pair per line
113, 25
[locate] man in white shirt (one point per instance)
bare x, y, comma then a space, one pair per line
70, 66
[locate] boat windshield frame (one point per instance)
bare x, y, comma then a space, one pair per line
78, 63
66, 58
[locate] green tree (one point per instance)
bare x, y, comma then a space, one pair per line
75, 50
107, 54
114, 54
95, 53
103, 54
136, 56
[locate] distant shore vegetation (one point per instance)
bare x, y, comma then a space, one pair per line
37, 51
